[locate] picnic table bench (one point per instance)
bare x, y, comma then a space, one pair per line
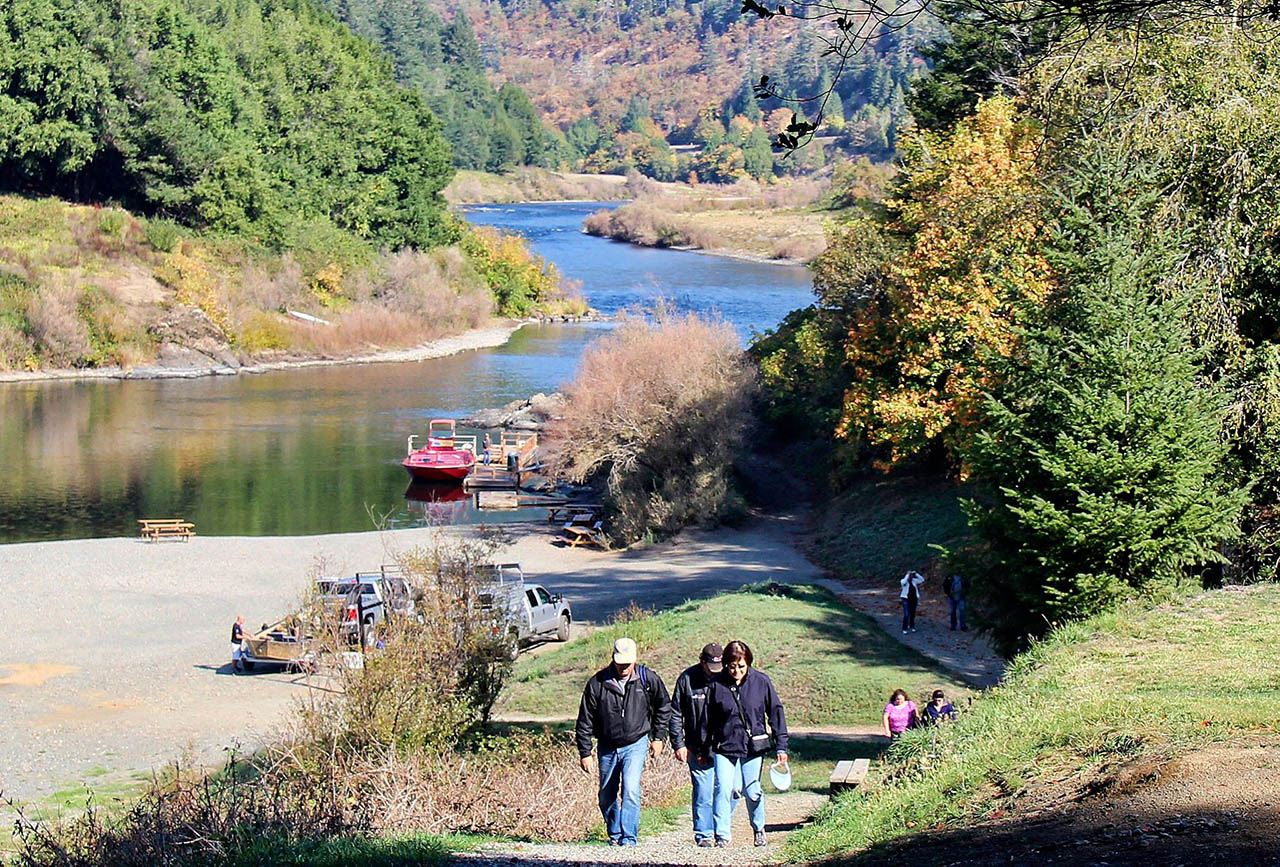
574, 535
849, 774
155, 529
574, 513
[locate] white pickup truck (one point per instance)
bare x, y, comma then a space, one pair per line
523, 613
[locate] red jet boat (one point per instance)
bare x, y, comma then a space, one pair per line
447, 457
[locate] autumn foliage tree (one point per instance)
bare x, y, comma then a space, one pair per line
949, 284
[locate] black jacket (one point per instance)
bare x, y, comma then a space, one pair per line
620, 720
689, 712
760, 704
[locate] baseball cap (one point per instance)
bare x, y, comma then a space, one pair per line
624, 651
712, 655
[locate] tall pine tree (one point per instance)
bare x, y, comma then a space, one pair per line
1101, 448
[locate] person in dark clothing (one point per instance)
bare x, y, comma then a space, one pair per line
954, 588
237, 643
938, 709
743, 709
910, 597
622, 705
690, 739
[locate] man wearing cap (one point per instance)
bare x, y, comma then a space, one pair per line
691, 740
622, 704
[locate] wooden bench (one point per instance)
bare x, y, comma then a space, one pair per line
574, 535
849, 774
155, 529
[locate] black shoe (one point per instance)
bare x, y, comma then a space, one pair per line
704, 843
721, 843
760, 840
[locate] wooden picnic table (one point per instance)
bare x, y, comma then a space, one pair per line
155, 529
574, 535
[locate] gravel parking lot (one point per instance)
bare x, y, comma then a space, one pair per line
115, 656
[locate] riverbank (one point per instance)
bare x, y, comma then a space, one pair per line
485, 337
125, 667
764, 226
533, 185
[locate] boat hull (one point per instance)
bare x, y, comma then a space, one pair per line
439, 467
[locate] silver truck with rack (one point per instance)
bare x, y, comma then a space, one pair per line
523, 613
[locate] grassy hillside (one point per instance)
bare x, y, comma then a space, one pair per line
1075, 713
83, 286
831, 665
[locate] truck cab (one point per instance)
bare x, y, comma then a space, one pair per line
523, 613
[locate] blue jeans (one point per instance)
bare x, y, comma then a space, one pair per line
909, 613
957, 610
744, 776
704, 787
621, 769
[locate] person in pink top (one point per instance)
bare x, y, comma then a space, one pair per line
900, 714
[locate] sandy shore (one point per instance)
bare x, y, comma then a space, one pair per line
495, 334
115, 659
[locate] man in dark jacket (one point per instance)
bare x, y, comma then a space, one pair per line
690, 739
621, 705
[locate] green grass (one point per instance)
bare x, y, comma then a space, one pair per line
886, 524
831, 665
1090, 697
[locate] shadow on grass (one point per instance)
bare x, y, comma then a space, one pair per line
1076, 838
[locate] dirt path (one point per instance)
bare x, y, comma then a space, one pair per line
784, 813
968, 654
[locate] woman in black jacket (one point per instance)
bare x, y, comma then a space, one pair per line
742, 710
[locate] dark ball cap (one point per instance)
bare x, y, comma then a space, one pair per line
712, 655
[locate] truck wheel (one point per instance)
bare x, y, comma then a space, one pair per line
513, 647
562, 631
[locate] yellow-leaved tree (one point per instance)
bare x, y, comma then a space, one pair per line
967, 265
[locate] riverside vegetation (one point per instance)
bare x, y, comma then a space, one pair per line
222, 133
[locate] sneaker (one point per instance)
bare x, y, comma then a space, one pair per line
760, 840
904, 632
913, 629
721, 843
704, 843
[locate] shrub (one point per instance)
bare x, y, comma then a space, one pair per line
56, 327
519, 280
112, 221
264, 332
162, 235
658, 411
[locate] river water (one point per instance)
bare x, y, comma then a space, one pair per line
318, 450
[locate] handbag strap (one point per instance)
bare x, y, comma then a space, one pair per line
742, 715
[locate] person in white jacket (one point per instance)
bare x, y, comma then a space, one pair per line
910, 597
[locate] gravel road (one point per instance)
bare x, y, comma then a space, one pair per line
116, 658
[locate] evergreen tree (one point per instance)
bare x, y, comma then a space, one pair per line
757, 154
1101, 446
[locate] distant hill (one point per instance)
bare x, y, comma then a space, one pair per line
619, 84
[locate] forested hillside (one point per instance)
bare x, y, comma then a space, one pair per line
230, 161
617, 85
490, 126
266, 118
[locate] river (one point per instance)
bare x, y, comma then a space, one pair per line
317, 450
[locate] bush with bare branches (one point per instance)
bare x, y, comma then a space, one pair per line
658, 412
